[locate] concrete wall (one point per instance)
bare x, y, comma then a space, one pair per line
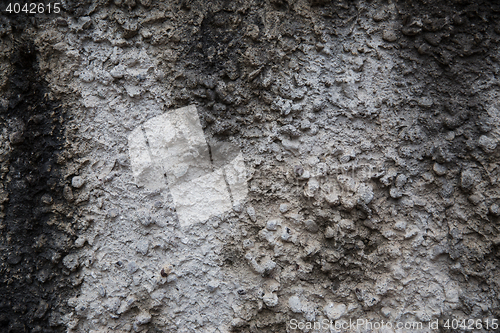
337, 161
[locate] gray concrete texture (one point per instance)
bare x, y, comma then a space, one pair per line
230, 166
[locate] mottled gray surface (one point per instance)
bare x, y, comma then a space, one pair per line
370, 136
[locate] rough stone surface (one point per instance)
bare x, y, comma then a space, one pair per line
375, 123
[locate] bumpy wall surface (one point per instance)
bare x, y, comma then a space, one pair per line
337, 160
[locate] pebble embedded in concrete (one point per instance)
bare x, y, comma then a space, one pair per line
286, 234
212, 285
47, 199
283, 208
295, 304
487, 144
77, 182
132, 267
335, 311
143, 318
329, 232
251, 213
68, 193
389, 35
495, 209
272, 225
439, 169
311, 226
400, 180
113, 213
395, 193
270, 299
71, 262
